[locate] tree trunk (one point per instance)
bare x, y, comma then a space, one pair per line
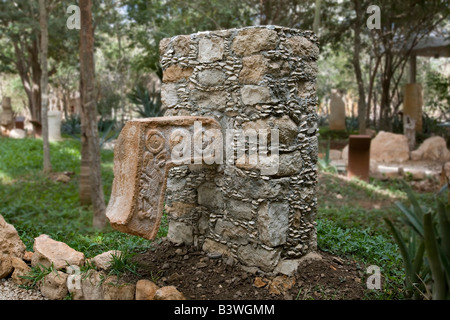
385, 105
373, 73
316, 22
35, 81
30, 75
357, 67
85, 171
91, 147
44, 83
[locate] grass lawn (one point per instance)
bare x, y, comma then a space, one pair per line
35, 204
349, 220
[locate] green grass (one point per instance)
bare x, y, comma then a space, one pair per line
35, 204
368, 247
122, 263
350, 223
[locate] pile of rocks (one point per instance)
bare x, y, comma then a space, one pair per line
389, 148
61, 265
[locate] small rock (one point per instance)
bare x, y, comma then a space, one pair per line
28, 256
280, 285
10, 242
201, 265
214, 255
54, 285
118, 290
259, 283
21, 269
48, 251
338, 260
146, 290
389, 147
287, 267
418, 175
92, 286
391, 175
18, 134
310, 257
169, 293
230, 261
103, 260
5, 266
174, 277
433, 148
62, 178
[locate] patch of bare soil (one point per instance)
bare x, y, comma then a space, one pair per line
200, 276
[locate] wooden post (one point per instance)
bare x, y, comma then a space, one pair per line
359, 157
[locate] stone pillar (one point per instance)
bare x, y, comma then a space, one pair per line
252, 78
6, 116
412, 103
337, 112
54, 125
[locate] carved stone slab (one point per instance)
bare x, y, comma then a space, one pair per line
143, 156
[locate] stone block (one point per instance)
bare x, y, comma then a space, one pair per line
210, 196
252, 95
273, 223
253, 40
211, 77
302, 47
176, 73
180, 233
259, 257
253, 69
210, 49
239, 209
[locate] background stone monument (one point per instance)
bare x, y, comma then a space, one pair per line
412, 104
252, 78
54, 125
6, 116
337, 111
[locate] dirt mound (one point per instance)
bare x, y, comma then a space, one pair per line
203, 277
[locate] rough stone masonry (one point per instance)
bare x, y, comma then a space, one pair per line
252, 78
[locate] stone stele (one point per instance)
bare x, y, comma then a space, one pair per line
142, 158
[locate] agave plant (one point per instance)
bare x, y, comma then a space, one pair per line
147, 103
426, 253
325, 163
